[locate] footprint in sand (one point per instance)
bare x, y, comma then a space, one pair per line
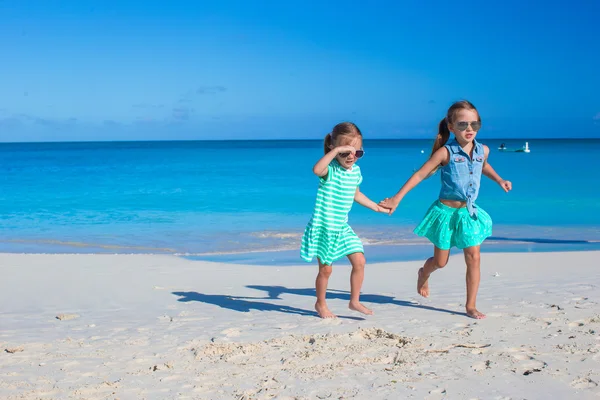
481, 366
438, 393
13, 350
593, 320
583, 383
521, 350
522, 357
231, 332
66, 317
464, 329
461, 325
576, 324
586, 286
584, 303
544, 323
329, 321
526, 363
286, 327
494, 314
531, 366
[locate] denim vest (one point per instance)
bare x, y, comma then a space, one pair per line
462, 175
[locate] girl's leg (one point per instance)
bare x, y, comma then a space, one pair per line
439, 260
473, 261
357, 276
321, 287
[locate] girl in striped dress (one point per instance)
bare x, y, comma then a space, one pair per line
328, 235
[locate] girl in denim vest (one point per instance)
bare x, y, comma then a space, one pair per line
454, 219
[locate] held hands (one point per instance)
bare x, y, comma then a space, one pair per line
382, 209
505, 185
389, 205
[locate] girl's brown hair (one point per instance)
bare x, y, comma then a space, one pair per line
341, 129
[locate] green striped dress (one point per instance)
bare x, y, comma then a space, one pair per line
328, 235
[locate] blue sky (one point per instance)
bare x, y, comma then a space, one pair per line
132, 70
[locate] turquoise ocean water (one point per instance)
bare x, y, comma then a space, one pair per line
249, 201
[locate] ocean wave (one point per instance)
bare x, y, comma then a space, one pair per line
53, 242
188, 243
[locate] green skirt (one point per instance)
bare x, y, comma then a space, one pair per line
448, 227
329, 246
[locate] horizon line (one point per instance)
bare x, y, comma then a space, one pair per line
267, 140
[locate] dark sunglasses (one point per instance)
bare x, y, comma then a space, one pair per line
357, 154
463, 125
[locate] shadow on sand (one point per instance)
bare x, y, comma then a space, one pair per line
541, 240
273, 293
241, 304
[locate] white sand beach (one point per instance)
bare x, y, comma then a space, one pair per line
163, 327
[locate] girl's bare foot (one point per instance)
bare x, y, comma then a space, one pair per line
323, 311
473, 313
360, 308
422, 283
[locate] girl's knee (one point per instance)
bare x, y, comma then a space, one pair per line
472, 255
440, 262
358, 267
362, 259
325, 270
440, 257
359, 261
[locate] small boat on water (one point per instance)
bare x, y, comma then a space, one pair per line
524, 149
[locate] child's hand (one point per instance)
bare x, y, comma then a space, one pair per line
506, 185
389, 204
345, 149
382, 209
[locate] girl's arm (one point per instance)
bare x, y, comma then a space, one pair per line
441, 156
491, 173
364, 201
321, 167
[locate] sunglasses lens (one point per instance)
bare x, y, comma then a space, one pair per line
462, 125
357, 154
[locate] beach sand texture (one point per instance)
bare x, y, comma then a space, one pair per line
164, 327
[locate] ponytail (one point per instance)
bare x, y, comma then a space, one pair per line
440, 140
327, 143
442, 136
